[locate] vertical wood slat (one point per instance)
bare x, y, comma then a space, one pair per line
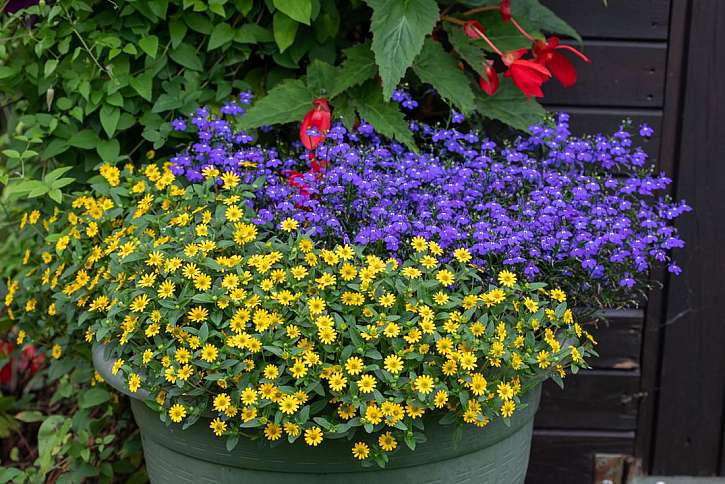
689, 426
650, 359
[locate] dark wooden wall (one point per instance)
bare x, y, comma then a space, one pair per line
609, 409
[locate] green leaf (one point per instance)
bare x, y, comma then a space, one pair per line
177, 32
357, 68
504, 34
284, 30
54, 148
252, 34
510, 106
399, 28
93, 397
385, 117
221, 35
8, 71
56, 195
109, 150
327, 23
30, 416
436, 67
150, 45
345, 110
166, 102
109, 119
185, 55
143, 85
288, 101
85, 139
321, 78
55, 174
299, 10
470, 52
50, 66
541, 17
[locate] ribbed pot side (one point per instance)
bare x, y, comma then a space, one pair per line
496, 454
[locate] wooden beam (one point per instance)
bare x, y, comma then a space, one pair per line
668, 152
689, 421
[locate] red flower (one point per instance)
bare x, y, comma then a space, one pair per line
505, 8
473, 29
318, 118
489, 84
6, 372
527, 75
561, 67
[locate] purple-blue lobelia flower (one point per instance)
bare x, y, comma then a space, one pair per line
584, 213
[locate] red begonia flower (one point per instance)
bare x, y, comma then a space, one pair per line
527, 75
489, 84
561, 67
473, 29
32, 359
6, 372
505, 8
319, 119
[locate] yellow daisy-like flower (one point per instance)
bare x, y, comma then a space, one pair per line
313, 436
366, 384
218, 426
419, 244
233, 213
423, 384
316, 305
202, 282
354, 365
177, 412
440, 399
166, 289
393, 364
292, 429
445, 277
209, 353
557, 295
289, 225
337, 382
222, 402
198, 314
506, 278
134, 382
139, 303
230, 180
462, 255
272, 431
507, 409
387, 442
360, 450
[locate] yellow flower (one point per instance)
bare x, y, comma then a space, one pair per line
394, 364
313, 436
419, 244
233, 213
292, 429
337, 382
440, 399
230, 180
531, 305
507, 409
354, 365
387, 442
445, 277
177, 412
209, 353
139, 303
360, 450
222, 402
316, 305
289, 225
557, 295
218, 426
56, 351
387, 300
202, 282
166, 289
423, 384
272, 431
249, 396
198, 314
462, 255
542, 358
134, 382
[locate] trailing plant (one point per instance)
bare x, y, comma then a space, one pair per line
272, 335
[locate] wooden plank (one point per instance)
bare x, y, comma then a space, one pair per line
594, 399
567, 457
692, 395
618, 19
619, 337
586, 120
669, 145
630, 74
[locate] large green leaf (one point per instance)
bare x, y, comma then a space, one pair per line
221, 35
288, 101
385, 117
399, 27
186, 56
504, 34
149, 44
469, 51
542, 18
436, 67
327, 23
510, 106
321, 78
109, 119
358, 67
284, 30
299, 10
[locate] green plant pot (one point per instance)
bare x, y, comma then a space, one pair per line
495, 454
